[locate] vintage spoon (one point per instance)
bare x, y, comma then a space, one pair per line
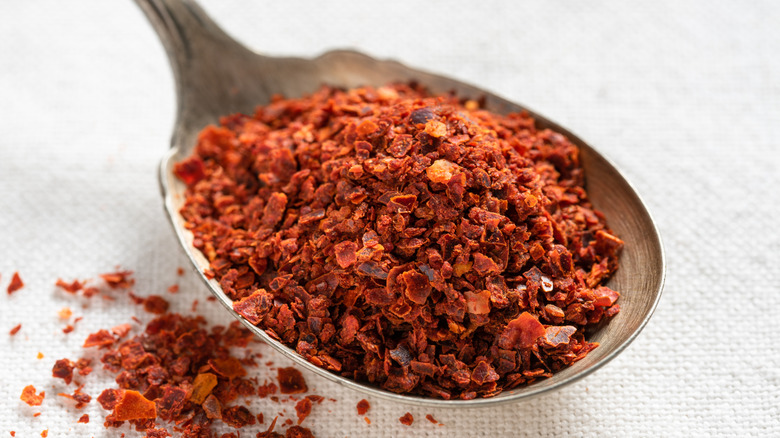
215, 76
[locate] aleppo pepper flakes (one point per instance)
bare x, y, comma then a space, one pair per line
363, 406
407, 419
303, 409
404, 240
291, 381
30, 397
15, 330
15, 284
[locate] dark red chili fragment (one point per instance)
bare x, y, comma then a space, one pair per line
407, 419
363, 406
15, 284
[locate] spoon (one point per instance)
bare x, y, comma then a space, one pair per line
216, 76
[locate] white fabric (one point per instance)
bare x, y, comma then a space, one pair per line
683, 96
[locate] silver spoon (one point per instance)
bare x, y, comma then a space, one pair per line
215, 76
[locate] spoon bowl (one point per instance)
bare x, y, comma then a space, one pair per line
216, 76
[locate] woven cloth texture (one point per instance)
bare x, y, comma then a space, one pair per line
683, 96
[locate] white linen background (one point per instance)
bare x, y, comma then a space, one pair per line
683, 96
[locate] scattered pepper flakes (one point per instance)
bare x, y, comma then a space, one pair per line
45, 433
84, 419
67, 329
407, 419
13, 433
229, 367
15, 330
15, 284
367, 420
202, 386
65, 313
79, 397
291, 381
237, 416
179, 271
303, 409
396, 239
121, 330
101, 339
29, 396
363, 406
173, 289
40, 355
156, 304
430, 418
72, 287
63, 369
132, 405
119, 279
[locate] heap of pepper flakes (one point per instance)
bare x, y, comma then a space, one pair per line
409, 241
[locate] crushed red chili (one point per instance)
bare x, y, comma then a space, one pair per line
303, 409
291, 381
84, 419
15, 284
30, 397
407, 419
414, 242
363, 406
15, 330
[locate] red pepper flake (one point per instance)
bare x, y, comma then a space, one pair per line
367, 420
521, 332
132, 405
173, 289
65, 313
72, 287
109, 398
13, 433
29, 396
16, 283
407, 419
79, 397
213, 409
63, 369
298, 432
229, 367
15, 330
45, 433
68, 328
40, 355
266, 389
238, 416
190, 171
84, 419
156, 304
202, 386
101, 339
291, 381
179, 271
121, 330
430, 418
36, 415
363, 406
303, 409
119, 279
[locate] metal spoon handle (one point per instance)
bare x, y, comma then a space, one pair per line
205, 62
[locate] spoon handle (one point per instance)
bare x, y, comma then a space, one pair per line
214, 74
